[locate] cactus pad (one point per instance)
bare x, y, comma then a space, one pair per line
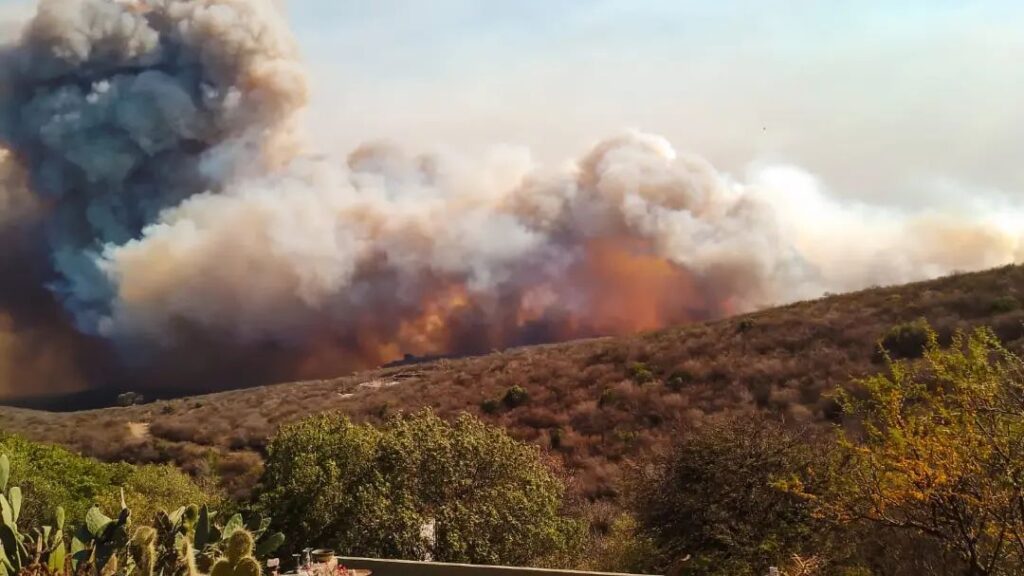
247, 567
240, 545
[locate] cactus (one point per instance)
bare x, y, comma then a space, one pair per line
238, 559
188, 566
101, 543
50, 545
240, 544
13, 553
173, 540
143, 550
48, 553
104, 546
211, 539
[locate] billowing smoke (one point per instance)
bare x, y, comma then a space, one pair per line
157, 188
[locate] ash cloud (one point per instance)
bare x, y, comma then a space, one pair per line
162, 194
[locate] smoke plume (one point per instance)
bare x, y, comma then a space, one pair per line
171, 228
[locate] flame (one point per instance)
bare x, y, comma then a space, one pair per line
631, 289
619, 286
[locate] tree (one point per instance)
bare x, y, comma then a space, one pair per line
940, 452
718, 502
370, 491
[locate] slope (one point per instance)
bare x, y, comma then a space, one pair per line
592, 404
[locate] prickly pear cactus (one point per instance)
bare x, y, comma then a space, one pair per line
240, 545
211, 538
238, 559
174, 542
143, 550
13, 553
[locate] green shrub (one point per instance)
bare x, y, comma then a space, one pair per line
368, 491
515, 396
490, 406
640, 373
716, 501
942, 440
1004, 305
51, 476
907, 340
624, 549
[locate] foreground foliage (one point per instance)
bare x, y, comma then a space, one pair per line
370, 491
105, 546
714, 505
941, 452
59, 478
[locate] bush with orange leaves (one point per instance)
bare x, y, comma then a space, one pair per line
940, 452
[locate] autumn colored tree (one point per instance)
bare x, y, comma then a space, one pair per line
938, 450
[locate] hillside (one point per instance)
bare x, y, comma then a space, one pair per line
592, 404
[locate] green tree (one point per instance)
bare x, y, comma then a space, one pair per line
939, 452
369, 491
718, 502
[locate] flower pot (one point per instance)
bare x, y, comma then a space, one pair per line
322, 555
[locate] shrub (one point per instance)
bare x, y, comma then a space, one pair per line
56, 477
490, 406
130, 399
624, 549
678, 380
555, 439
640, 373
368, 491
941, 451
515, 396
907, 340
607, 398
716, 501
1004, 305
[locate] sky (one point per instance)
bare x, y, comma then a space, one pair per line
903, 103
907, 104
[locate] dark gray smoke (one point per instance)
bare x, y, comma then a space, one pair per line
119, 110
109, 113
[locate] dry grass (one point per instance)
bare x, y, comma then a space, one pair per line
592, 404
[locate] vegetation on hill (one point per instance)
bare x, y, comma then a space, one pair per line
926, 478
591, 404
928, 481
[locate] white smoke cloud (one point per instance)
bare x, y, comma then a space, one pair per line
279, 255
